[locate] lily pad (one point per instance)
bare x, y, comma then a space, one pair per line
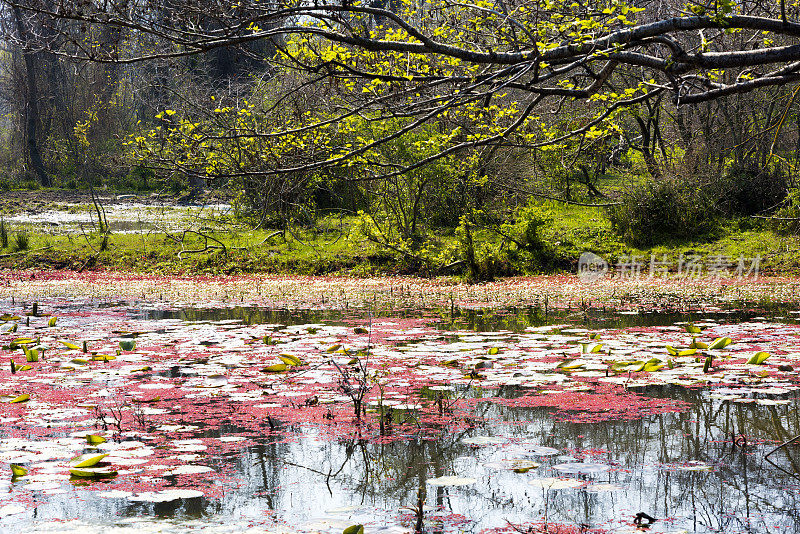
87, 460
93, 472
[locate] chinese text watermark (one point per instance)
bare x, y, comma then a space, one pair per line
592, 267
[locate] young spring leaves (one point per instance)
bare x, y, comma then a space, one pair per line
685, 352
290, 359
87, 460
92, 472
94, 439
720, 343
758, 358
18, 471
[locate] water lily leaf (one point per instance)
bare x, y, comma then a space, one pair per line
103, 357
22, 398
622, 365
524, 469
32, 355
360, 330
672, 350
333, 348
8, 317
594, 335
80, 361
20, 341
692, 329
290, 359
493, 350
128, 344
94, 439
758, 358
707, 364
353, 361
451, 363
70, 346
720, 343
451, 481
93, 472
686, 352
698, 344
87, 460
354, 529
52, 321
18, 471
24, 368
651, 367
147, 401
591, 348
277, 368
567, 365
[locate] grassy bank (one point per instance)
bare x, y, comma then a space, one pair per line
333, 246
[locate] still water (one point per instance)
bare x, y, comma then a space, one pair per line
699, 469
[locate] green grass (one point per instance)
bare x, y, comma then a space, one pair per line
329, 248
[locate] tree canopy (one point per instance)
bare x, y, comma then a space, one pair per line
490, 69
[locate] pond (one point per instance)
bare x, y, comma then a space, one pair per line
251, 419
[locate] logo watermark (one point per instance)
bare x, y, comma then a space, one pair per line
592, 267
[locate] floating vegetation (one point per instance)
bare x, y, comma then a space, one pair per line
125, 404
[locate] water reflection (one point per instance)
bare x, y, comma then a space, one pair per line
478, 320
701, 471
682, 468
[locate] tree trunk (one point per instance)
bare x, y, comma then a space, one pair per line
31, 107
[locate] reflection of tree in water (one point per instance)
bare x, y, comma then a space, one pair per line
742, 491
299, 477
247, 315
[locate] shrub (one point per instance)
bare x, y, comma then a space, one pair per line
661, 211
787, 219
22, 241
745, 192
